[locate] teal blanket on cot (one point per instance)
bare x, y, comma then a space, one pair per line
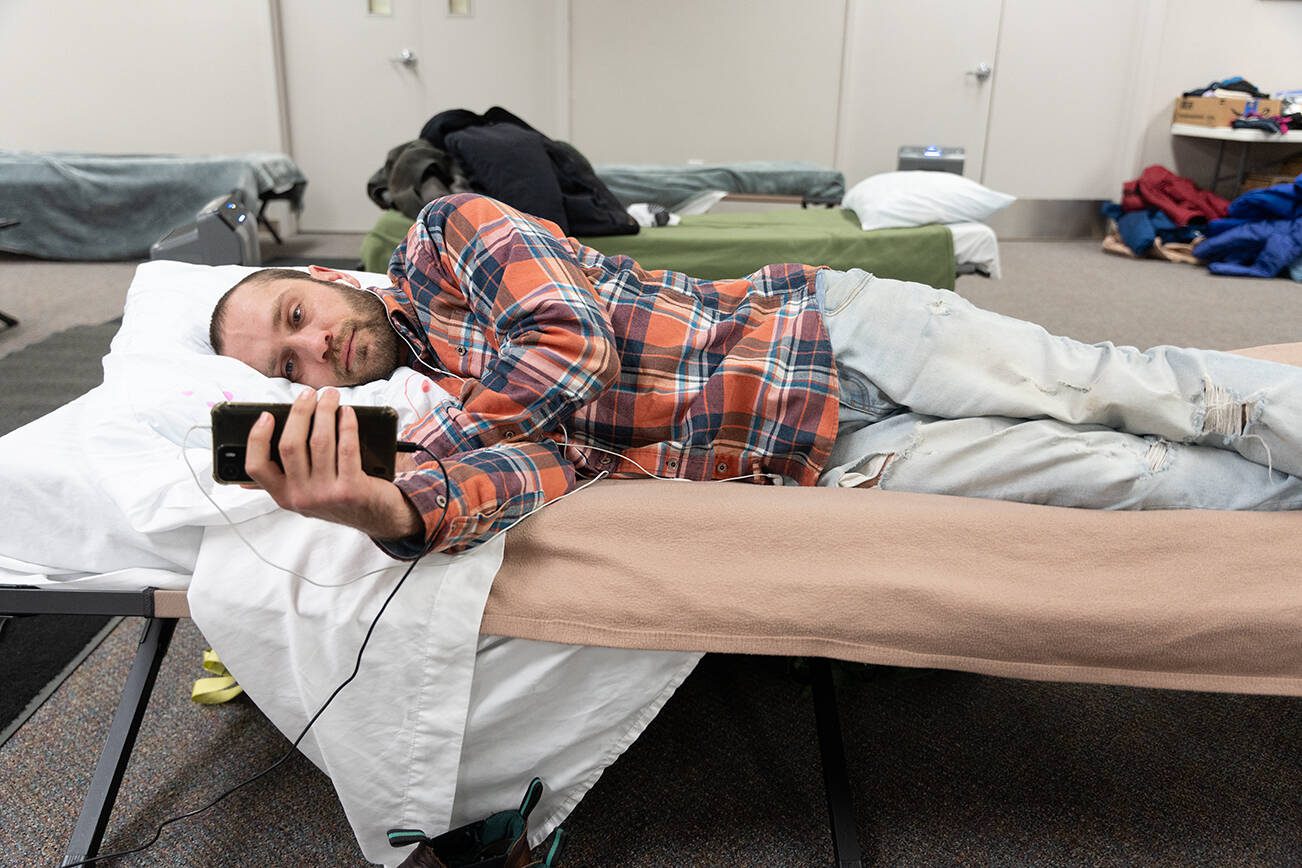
107, 207
670, 185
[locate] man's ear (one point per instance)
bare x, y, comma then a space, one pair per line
322, 273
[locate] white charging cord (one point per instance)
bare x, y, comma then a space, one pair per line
194, 475
186, 455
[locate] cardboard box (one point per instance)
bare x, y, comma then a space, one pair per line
1260, 181
1210, 111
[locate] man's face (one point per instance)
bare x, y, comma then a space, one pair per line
311, 333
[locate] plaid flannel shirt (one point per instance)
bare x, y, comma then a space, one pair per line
546, 343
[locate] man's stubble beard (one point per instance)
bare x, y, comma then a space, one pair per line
380, 351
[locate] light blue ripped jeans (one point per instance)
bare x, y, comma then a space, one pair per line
942, 397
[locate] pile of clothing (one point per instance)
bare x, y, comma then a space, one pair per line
1252, 119
1260, 236
1160, 216
1234, 86
1165, 216
1237, 87
499, 155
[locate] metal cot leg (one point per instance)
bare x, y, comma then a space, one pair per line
262, 219
1243, 168
840, 806
1216, 172
113, 758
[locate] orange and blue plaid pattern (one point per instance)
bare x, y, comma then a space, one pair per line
546, 343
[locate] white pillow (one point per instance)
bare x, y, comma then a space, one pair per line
169, 304
103, 485
894, 199
59, 521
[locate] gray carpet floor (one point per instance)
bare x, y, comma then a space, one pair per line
34, 652
946, 768
67, 364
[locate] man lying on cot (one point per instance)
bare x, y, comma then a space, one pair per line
566, 363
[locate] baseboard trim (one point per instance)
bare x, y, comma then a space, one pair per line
1038, 219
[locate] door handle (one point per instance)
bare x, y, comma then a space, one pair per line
406, 57
982, 72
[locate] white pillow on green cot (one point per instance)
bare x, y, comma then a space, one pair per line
894, 199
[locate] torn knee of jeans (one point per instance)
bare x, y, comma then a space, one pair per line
1224, 414
1158, 456
1059, 386
868, 473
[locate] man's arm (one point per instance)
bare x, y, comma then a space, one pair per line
484, 492
555, 348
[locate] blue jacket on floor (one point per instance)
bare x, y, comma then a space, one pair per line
1261, 236
1138, 229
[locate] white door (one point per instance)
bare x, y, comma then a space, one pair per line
1063, 122
350, 98
506, 53
916, 72
357, 84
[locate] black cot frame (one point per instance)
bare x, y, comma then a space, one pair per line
6, 319
162, 608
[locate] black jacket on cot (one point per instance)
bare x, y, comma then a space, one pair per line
504, 157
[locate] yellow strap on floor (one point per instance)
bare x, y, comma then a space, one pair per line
213, 663
214, 691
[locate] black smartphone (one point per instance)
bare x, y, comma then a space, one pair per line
377, 429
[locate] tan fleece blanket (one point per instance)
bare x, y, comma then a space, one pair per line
1189, 599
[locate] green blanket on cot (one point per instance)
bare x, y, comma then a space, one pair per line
735, 244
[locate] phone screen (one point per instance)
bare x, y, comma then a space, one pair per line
377, 431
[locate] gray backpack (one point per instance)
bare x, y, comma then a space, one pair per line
414, 174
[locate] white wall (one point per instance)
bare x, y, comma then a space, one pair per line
908, 78
715, 80
146, 76
1082, 90
349, 102
1063, 89
626, 80
1201, 41
508, 53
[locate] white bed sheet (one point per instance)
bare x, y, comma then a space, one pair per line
103, 494
440, 727
976, 244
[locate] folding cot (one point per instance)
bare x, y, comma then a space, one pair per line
726, 245
1193, 600
669, 185
9, 322
114, 206
1176, 599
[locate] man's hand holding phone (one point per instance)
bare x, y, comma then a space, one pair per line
322, 474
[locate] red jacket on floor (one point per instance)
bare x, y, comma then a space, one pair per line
1179, 198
